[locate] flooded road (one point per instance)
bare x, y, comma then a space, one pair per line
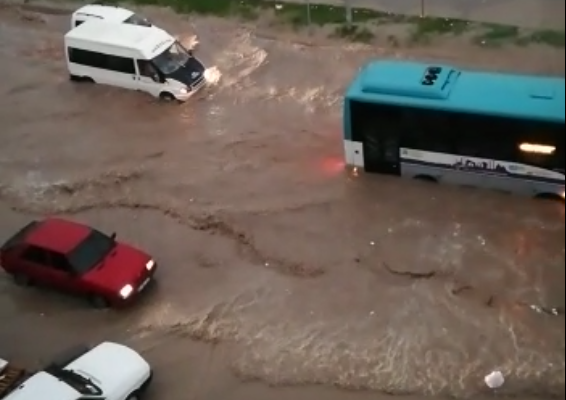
277, 266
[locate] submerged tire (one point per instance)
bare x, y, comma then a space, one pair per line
550, 197
80, 79
99, 302
426, 178
134, 396
166, 96
21, 280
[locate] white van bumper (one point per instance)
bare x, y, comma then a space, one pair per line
194, 89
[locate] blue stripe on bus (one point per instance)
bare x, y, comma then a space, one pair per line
488, 173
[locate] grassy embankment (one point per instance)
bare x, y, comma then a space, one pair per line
366, 23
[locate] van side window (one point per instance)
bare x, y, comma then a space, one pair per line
120, 64
99, 60
78, 23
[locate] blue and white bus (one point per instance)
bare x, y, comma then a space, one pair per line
442, 124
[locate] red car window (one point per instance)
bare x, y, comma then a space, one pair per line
59, 262
35, 255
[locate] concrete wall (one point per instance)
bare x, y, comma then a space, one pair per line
540, 14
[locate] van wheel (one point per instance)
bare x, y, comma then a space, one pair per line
549, 197
99, 302
426, 178
80, 79
134, 396
21, 280
166, 96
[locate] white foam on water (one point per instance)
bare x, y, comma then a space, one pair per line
33, 185
212, 75
240, 59
189, 42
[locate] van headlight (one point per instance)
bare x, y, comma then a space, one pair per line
126, 291
149, 265
183, 90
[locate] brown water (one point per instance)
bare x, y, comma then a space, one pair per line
288, 269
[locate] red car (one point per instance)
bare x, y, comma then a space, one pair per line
77, 259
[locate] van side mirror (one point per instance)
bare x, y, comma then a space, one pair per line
156, 78
113, 236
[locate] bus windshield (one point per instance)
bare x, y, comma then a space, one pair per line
172, 59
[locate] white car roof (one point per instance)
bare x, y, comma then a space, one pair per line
107, 13
43, 386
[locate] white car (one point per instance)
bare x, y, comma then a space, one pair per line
108, 13
108, 371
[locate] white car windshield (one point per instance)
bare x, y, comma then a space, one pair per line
172, 59
136, 19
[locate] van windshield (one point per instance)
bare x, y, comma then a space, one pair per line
172, 59
136, 19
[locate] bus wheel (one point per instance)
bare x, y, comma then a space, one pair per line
549, 196
166, 96
426, 178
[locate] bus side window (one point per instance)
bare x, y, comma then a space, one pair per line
365, 119
428, 130
483, 137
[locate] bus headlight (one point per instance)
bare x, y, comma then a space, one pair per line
126, 291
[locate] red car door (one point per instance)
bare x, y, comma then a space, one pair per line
35, 263
67, 281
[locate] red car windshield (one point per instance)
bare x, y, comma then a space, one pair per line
90, 251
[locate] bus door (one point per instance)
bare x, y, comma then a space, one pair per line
381, 153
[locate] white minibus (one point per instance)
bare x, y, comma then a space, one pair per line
133, 57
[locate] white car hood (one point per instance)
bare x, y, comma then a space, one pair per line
117, 369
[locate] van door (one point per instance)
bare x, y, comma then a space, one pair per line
149, 80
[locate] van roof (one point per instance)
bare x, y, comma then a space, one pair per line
106, 12
149, 42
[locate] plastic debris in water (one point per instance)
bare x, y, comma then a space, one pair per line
494, 380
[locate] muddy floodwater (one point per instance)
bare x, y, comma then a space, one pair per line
282, 276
